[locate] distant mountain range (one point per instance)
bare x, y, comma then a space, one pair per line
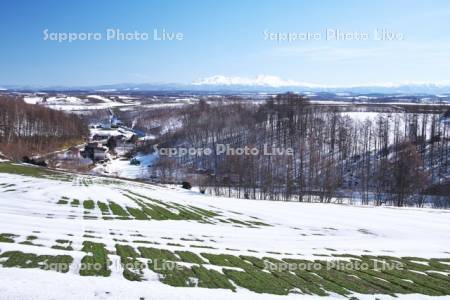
261, 83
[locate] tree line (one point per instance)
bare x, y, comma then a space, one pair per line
29, 129
393, 158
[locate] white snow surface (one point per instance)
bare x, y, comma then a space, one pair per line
32, 99
101, 98
122, 168
27, 284
111, 132
70, 103
302, 229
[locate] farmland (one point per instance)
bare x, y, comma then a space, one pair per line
129, 238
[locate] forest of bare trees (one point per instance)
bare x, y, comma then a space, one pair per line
28, 130
393, 158
397, 156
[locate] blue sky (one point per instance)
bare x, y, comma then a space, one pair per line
224, 38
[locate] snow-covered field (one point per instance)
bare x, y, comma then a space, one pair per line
42, 210
70, 103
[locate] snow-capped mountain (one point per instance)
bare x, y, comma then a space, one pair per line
260, 80
274, 82
259, 83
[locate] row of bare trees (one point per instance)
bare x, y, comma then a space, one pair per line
27, 129
392, 158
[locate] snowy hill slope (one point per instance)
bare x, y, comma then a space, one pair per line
116, 239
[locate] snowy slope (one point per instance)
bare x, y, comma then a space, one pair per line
101, 98
29, 206
122, 168
71, 103
347, 229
